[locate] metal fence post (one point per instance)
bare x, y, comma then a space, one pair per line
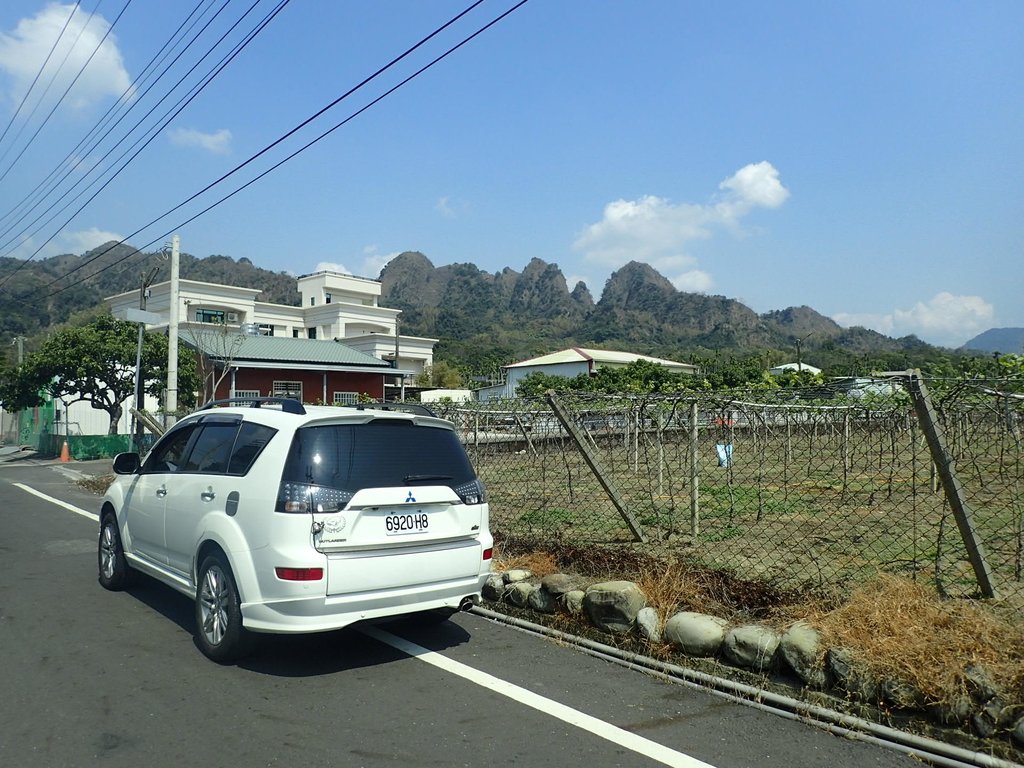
603, 477
694, 473
944, 464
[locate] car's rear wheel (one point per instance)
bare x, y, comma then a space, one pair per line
219, 629
114, 572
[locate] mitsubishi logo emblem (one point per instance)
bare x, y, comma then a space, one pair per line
410, 499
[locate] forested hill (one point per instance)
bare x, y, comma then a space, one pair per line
483, 320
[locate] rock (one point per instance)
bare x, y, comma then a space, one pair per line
517, 574
574, 601
541, 600
956, 712
979, 683
613, 605
494, 587
849, 675
1018, 732
900, 694
648, 623
696, 634
557, 584
800, 647
519, 593
751, 646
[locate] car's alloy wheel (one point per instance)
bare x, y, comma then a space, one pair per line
220, 633
113, 568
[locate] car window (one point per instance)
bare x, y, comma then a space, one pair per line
377, 454
168, 453
211, 448
251, 440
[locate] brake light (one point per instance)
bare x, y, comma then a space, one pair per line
488, 553
302, 497
299, 574
472, 492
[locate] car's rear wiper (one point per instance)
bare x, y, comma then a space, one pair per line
421, 478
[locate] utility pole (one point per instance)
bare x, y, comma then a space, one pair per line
147, 280
171, 402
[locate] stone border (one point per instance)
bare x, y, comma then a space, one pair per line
620, 608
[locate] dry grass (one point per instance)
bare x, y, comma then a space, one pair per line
898, 628
97, 484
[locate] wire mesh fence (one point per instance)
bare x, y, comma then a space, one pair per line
799, 487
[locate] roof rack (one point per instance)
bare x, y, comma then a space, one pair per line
414, 408
288, 404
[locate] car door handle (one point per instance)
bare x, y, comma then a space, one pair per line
161, 491
208, 495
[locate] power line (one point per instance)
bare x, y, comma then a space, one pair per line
42, 68
153, 132
66, 90
19, 209
309, 144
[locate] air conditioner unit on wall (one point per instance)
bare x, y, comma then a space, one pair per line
232, 317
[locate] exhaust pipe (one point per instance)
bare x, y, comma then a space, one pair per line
466, 603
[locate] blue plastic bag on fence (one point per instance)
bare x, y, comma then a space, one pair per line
724, 451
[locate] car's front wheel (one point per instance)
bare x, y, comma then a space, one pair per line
219, 629
114, 572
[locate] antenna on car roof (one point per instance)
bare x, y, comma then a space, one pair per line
288, 404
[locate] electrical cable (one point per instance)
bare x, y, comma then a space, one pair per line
152, 132
59, 101
42, 69
300, 150
19, 210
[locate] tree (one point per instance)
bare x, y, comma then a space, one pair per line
95, 363
441, 375
216, 347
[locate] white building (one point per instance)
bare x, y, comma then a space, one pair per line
334, 306
571, 363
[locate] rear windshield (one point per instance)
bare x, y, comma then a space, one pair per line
378, 454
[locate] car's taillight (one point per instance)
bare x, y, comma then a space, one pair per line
488, 553
472, 492
299, 574
301, 497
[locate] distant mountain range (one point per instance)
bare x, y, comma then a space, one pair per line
1007, 341
486, 320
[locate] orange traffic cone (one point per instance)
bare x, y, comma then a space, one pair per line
65, 454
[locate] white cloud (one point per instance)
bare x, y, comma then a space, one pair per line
946, 319
653, 230
443, 207
218, 142
330, 266
24, 49
374, 262
66, 242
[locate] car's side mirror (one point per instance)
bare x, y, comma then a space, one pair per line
126, 463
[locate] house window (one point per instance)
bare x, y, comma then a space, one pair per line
346, 398
327, 297
209, 316
292, 389
295, 333
243, 393
311, 333
266, 329
312, 300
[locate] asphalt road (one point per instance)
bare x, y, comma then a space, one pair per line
89, 677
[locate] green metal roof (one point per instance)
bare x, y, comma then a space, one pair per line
276, 349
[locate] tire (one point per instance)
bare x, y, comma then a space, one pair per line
114, 572
219, 631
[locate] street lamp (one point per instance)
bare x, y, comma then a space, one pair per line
799, 359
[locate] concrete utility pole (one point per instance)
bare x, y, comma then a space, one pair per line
171, 403
147, 280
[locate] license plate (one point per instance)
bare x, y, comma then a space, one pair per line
399, 523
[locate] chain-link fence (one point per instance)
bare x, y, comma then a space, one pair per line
798, 487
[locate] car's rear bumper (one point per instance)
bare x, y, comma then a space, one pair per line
322, 614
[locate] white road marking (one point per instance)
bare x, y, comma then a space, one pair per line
58, 502
600, 728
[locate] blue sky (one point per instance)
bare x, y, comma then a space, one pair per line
865, 159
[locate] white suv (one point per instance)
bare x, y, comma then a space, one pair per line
278, 517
